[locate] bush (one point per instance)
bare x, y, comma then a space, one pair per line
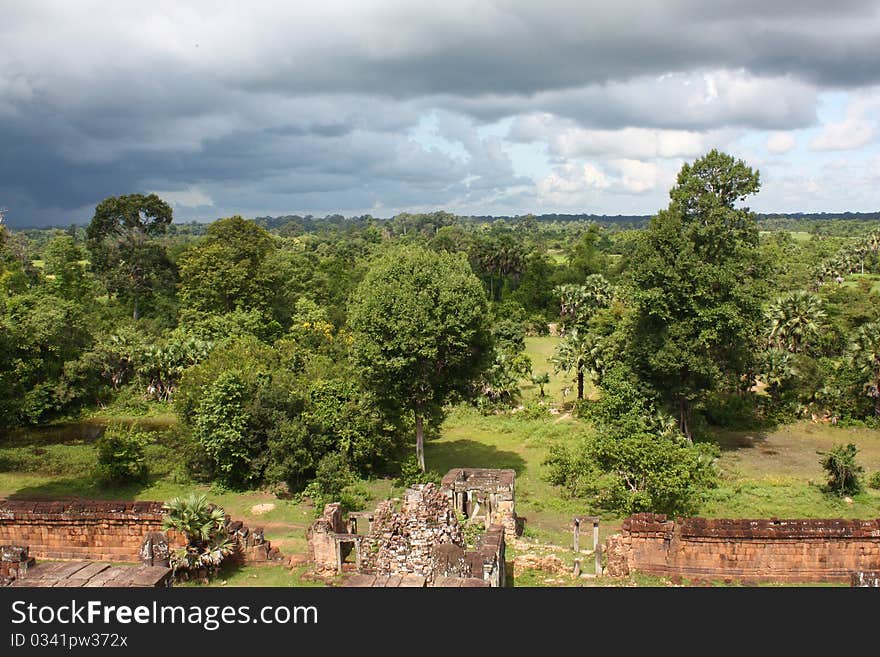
121, 457
641, 472
411, 474
335, 481
843, 471
733, 411
874, 480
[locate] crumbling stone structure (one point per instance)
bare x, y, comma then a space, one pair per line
773, 550
483, 494
403, 542
14, 562
324, 548
419, 545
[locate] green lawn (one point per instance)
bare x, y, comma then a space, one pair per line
853, 280
540, 350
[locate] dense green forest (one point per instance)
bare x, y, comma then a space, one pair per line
305, 353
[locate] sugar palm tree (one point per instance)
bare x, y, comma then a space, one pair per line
864, 351
541, 380
573, 353
794, 320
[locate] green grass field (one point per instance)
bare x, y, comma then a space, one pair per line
540, 350
763, 474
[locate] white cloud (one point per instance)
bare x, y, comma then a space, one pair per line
571, 185
780, 143
857, 129
636, 176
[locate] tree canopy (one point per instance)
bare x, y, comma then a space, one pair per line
419, 323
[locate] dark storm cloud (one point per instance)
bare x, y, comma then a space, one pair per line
316, 106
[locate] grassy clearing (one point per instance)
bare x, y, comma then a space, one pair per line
540, 349
855, 280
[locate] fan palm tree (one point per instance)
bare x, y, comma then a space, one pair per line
865, 355
795, 319
194, 517
573, 353
541, 380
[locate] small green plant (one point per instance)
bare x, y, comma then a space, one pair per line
540, 380
204, 526
874, 480
843, 471
470, 531
121, 457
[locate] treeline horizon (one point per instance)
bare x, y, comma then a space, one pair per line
308, 223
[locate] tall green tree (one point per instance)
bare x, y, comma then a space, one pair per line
124, 253
226, 269
420, 331
697, 284
65, 262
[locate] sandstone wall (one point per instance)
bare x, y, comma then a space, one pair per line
774, 550
105, 531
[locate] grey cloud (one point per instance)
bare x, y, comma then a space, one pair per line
313, 104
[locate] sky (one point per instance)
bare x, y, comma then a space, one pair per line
475, 107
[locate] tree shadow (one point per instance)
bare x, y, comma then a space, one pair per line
731, 441
465, 453
80, 488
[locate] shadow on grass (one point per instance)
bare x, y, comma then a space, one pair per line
73, 488
82, 432
736, 440
464, 453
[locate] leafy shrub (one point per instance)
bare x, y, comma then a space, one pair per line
874, 480
642, 472
534, 411
411, 474
121, 456
732, 411
204, 526
843, 471
639, 461
335, 481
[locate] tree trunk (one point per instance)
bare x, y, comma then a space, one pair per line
877, 405
580, 385
420, 441
135, 315
684, 419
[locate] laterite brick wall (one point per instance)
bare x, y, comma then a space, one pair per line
770, 550
104, 531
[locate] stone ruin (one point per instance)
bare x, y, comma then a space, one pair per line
423, 542
483, 494
748, 550
97, 533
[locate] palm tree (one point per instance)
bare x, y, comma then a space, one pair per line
541, 380
795, 320
865, 355
577, 303
194, 517
778, 370
573, 353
